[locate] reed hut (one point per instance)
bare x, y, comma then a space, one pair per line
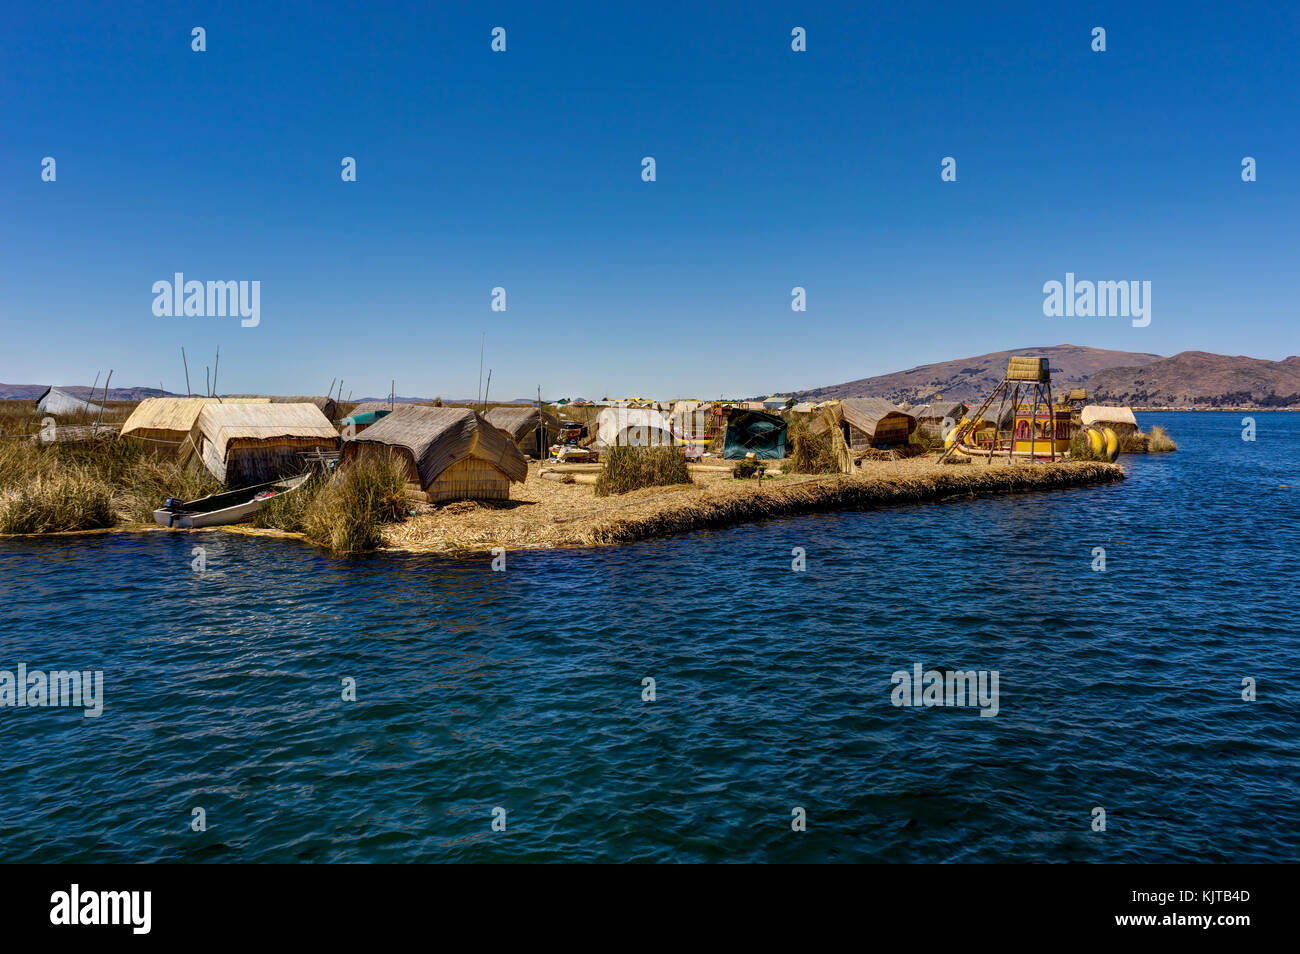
633, 426
164, 424
57, 402
450, 453
930, 417
243, 444
531, 428
1119, 419
754, 432
1000, 415
326, 405
867, 423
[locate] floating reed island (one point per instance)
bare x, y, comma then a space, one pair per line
429, 478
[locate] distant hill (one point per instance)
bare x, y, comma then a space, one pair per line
971, 379
1198, 378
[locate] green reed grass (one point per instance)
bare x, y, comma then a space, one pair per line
626, 469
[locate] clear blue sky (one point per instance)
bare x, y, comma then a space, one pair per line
523, 169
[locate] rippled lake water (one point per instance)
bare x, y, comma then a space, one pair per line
523, 690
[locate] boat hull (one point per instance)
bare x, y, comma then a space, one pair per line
219, 510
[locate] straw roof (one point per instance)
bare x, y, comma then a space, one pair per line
222, 423
991, 416
521, 421
1097, 414
438, 437
325, 405
867, 415
939, 410
173, 413
56, 401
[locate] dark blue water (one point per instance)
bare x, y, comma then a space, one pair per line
522, 690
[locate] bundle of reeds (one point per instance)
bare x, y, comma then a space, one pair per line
1159, 441
627, 468
809, 453
345, 513
839, 446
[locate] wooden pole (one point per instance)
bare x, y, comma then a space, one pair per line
103, 400
188, 392
82, 419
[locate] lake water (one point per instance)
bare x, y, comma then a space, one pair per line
522, 689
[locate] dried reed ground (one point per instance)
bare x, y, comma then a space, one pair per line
545, 513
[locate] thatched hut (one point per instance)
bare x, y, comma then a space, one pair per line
57, 402
164, 424
930, 418
368, 407
450, 453
326, 405
531, 428
1119, 419
633, 426
244, 444
867, 423
999, 414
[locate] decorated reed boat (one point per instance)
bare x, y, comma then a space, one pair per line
1020, 421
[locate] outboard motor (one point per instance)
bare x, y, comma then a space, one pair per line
171, 503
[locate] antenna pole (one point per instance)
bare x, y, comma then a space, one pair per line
481, 347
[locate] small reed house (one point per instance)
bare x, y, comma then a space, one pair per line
450, 453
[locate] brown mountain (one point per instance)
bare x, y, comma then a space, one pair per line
1198, 378
971, 379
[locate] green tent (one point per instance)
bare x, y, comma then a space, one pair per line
754, 432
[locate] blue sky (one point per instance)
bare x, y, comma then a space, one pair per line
522, 169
